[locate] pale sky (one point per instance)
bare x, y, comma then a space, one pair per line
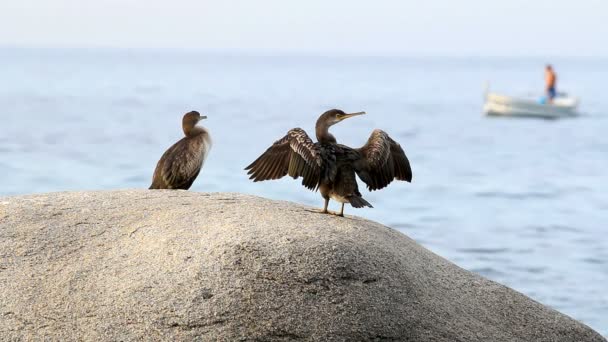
380, 27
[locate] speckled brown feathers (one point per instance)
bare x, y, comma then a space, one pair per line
382, 160
181, 163
331, 167
295, 154
179, 166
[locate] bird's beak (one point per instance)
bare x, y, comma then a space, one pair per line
350, 115
202, 117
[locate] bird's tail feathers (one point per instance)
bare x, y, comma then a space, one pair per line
358, 202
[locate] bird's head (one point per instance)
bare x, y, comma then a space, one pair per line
333, 116
190, 120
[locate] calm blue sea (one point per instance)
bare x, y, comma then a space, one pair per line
520, 201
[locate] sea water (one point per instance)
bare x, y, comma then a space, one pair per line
520, 201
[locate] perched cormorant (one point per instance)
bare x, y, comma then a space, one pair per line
331, 167
182, 162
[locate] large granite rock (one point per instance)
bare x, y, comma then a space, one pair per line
176, 265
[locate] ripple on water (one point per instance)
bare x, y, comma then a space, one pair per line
401, 225
562, 228
54, 138
148, 89
552, 230
484, 250
135, 180
530, 269
488, 272
518, 195
128, 101
593, 261
432, 218
408, 134
5, 167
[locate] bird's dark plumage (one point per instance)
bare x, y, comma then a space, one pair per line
331, 167
181, 163
382, 161
294, 154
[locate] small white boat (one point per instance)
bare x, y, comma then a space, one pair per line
562, 106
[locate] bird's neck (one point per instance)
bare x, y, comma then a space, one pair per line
323, 135
192, 131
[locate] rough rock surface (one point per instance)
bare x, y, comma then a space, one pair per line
176, 265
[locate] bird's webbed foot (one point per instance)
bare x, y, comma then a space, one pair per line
325, 211
328, 212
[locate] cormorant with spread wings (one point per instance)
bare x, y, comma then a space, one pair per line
330, 167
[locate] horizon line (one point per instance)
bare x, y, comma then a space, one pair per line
275, 52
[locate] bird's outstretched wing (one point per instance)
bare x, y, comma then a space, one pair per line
294, 154
382, 160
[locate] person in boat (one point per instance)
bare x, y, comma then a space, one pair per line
550, 80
